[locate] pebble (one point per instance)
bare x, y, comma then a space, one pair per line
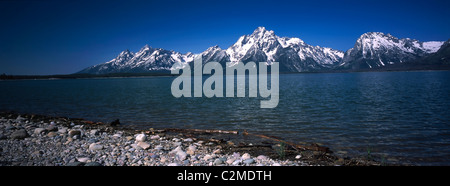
246, 156
95, 146
276, 164
207, 157
231, 160
63, 130
39, 130
173, 164
249, 161
52, 146
143, 145
191, 150
83, 159
141, 137
218, 161
73, 133
236, 162
93, 164
262, 157
94, 132
19, 134
52, 128
52, 134
154, 137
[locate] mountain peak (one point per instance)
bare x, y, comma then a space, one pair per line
262, 31
215, 47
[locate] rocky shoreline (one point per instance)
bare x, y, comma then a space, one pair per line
34, 140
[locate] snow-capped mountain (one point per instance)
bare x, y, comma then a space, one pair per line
376, 49
216, 54
262, 45
146, 60
371, 50
293, 54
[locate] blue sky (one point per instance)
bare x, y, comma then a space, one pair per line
61, 37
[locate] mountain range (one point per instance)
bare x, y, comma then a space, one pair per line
372, 50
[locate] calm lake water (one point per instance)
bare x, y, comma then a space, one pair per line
400, 116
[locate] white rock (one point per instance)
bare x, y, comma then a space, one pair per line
63, 130
276, 164
217, 151
159, 147
191, 149
236, 162
143, 145
141, 137
246, 156
231, 160
176, 150
117, 135
95, 146
173, 164
83, 159
154, 137
207, 157
188, 140
181, 155
94, 132
262, 157
39, 130
298, 156
134, 146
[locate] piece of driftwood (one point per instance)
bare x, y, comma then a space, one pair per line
313, 147
202, 131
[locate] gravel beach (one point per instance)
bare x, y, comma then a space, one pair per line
32, 140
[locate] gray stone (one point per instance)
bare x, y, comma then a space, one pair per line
63, 130
39, 130
94, 132
93, 164
236, 162
154, 137
143, 145
51, 128
19, 134
181, 155
75, 164
231, 160
207, 157
262, 157
218, 161
83, 159
249, 161
95, 146
52, 134
73, 133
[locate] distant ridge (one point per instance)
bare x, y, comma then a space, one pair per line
372, 50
